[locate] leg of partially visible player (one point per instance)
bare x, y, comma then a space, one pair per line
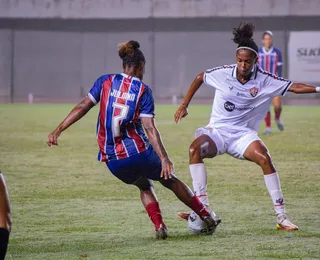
258, 153
5, 218
276, 101
267, 120
150, 202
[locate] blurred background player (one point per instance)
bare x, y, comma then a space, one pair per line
270, 60
126, 108
5, 218
235, 119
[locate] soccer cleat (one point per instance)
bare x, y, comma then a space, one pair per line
267, 131
161, 232
212, 222
280, 125
285, 223
184, 215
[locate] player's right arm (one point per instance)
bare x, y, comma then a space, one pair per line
183, 109
78, 111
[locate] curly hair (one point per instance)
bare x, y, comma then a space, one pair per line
243, 36
130, 53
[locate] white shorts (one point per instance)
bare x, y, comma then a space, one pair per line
231, 141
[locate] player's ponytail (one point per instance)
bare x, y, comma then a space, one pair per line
243, 37
130, 53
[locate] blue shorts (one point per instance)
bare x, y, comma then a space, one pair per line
129, 170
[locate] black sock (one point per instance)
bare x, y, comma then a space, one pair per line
4, 240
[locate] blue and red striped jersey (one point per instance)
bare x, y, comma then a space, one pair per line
271, 61
123, 101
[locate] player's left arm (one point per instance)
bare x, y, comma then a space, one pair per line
76, 113
148, 122
300, 88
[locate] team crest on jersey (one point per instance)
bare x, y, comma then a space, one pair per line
254, 91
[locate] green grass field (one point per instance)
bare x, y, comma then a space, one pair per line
66, 205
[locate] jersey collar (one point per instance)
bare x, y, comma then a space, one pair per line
130, 77
254, 71
269, 51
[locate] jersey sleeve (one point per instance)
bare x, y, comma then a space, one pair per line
211, 77
147, 104
95, 91
277, 86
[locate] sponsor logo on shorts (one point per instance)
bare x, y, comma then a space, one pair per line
229, 106
254, 91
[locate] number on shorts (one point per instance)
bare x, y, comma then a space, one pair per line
116, 119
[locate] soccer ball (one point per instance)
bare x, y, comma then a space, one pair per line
197, 226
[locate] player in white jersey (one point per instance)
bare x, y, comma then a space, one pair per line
242, 98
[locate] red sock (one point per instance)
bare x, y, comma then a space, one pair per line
267, 119
277, 113
198, 207
154, 213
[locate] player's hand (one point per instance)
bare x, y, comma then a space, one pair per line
181, 112
167, 168
53, 138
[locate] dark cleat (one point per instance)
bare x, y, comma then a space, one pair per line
212, 223
161, 233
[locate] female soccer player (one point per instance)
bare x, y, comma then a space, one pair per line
126, 107
5, 218
242, 99
270, 60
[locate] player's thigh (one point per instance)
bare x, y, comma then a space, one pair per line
240, 142
145, 164
152, 166
143, 183
5, 217
127, 170
208, 143
257, 152
276, 101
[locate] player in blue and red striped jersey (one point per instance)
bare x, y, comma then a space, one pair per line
270, 60
126, 114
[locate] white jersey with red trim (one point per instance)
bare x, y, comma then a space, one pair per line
237, 105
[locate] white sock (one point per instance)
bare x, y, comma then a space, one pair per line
199, 182
272, 182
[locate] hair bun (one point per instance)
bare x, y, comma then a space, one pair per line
134, 44
243, 33
128, 48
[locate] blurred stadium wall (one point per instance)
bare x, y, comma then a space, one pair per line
55, 49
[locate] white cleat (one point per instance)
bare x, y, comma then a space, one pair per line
267, 131
285, 223
280, 125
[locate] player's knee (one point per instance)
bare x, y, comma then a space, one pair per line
194, 151
264, 160
169, 183
6, 221
143, 184
278, 108
9, 222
